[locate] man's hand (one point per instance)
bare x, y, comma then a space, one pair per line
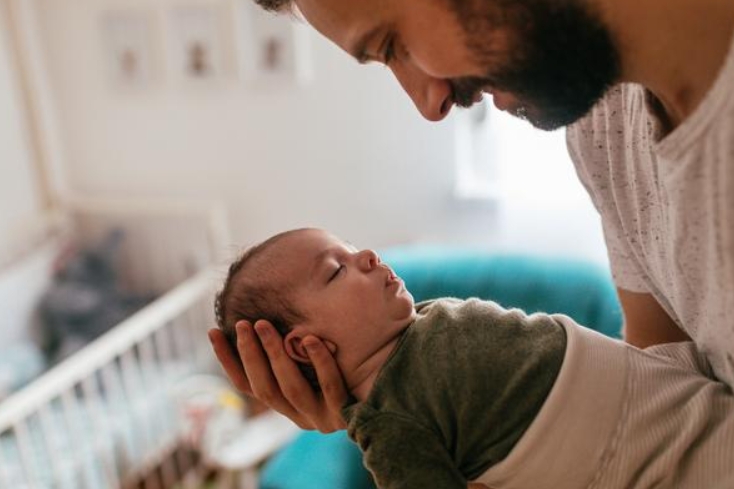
645, 321
272, 377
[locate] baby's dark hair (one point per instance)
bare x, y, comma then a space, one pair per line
276, 5
253, 290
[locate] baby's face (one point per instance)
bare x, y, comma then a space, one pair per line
349, 297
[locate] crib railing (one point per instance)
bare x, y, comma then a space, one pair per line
108, 414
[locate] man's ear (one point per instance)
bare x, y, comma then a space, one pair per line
293, 343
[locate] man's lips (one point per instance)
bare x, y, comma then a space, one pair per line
504, 101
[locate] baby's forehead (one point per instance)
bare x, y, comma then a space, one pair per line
298, 254
311, 243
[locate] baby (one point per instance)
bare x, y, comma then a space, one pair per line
448, 391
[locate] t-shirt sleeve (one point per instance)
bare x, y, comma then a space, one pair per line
401, 454
626, 270
585, 153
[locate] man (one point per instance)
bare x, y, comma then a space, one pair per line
648, 91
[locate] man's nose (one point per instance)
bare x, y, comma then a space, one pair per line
431, 96
368, 260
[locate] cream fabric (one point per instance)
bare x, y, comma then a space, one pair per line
623, 418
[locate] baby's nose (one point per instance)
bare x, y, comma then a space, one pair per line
369, 259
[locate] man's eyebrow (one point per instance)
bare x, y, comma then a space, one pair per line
359, 51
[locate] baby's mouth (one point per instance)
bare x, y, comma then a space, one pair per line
391, 278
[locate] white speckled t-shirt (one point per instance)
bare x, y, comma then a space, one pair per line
667, 206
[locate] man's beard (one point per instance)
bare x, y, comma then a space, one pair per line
564, 58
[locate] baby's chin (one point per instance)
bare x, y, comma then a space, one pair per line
409, 316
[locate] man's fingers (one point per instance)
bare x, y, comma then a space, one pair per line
330, 379
265, 371
256, 363
293, 385
258, 366
229, 361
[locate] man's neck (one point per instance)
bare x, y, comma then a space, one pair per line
675, 48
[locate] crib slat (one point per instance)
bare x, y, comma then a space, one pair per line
200, 322
163, 345
95, 405
185, 464
159, 348
136, 394
78, 450
168, 472
4, 464
151, 480
25, 450
181, 338
186, 327
161, 417
115, 395
52, 439
151, 374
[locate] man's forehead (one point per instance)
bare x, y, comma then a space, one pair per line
346, 22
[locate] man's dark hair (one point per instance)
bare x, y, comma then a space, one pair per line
253, 290
276, 5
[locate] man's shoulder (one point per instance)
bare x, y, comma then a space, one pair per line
602, 136
616, 108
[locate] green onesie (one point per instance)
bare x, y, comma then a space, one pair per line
461, 387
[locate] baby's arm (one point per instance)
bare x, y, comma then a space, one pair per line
401, 454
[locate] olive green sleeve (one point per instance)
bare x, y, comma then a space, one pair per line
402, 454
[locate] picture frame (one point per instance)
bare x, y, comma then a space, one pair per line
196, 41
271, 49
127, 42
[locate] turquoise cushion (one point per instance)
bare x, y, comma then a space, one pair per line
316, 461
578, 289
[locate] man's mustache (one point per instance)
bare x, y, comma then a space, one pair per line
464, 91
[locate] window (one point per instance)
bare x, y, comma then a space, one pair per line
527, 173
499, 155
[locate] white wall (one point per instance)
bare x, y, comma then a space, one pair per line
21, 199
347, 151
24, 270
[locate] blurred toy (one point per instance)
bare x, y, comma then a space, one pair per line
85, 298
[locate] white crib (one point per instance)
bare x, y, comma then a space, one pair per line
107, 417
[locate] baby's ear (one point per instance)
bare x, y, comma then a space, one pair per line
293, 343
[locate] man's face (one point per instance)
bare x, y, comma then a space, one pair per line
348, 297
543, 60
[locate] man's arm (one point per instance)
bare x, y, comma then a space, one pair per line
645, 321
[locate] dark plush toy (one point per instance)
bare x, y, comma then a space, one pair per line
85, 298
